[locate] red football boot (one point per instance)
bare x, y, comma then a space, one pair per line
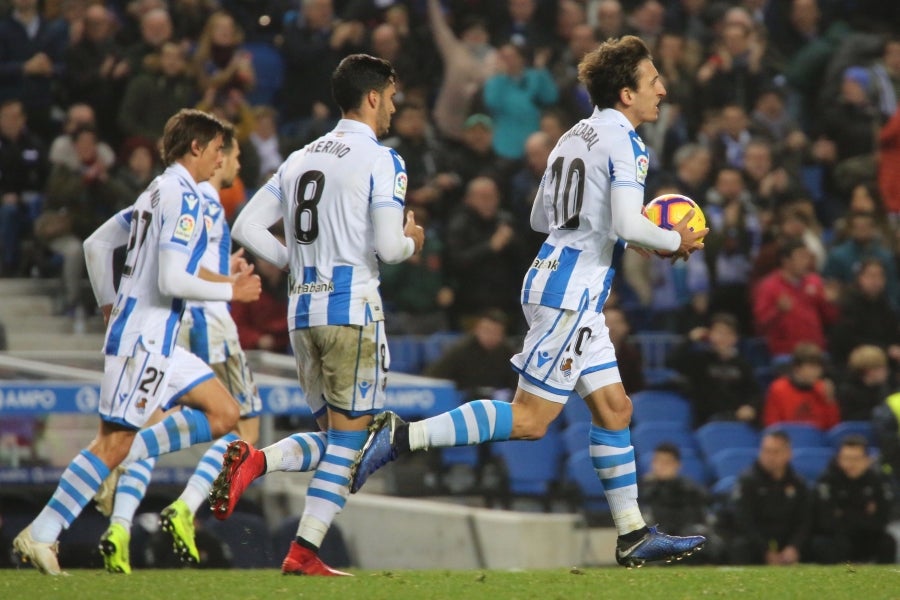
303, 561
242, 464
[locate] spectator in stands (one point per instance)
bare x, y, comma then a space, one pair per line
262, 325
693, 165
670, 499
793, 221
524, 25
771, 507
852, 505
138, 165
416, 291
220, 61
412, 139
479, 363
864, 198
866, 316
189, 17
264, 139
78, 201
23, 173
609, 19
888, 176
792, 305
804, 394
771, 186
313, 45
736, 71
865, 383
31, 56
732, 138
770, 120
96, 69
514, 97
628, 354
156, 94
719, 381
523, 187
646, 20
474, 156
410, 54
155, 30
484, 254
469, 61
886, 426
852, 123
863, 242
62, 150
886, 78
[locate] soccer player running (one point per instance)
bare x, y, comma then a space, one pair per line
341, 198
589, 203
165, 245
208, 331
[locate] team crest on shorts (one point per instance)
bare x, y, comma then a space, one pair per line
566, 367
141, 405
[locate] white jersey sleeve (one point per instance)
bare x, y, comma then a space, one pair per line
263, 210
388, 197
98, 254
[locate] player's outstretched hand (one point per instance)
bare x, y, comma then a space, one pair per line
690, 240
411, 230
246, 285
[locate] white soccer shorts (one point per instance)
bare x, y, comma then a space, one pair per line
565, 350
342, 366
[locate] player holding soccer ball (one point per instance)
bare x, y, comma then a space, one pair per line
589, 204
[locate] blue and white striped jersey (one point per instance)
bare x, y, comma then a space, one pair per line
167, 215
327, 192
573, 268
213, 333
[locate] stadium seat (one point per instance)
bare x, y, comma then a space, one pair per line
660, 377
576, 437
434, 346
269, 67
719, 435
755, 351
655, 347
247, 537
810, 463
532, 467
842, 430
575, 411
406, 354
803, 435
732, 461
724, 486
645, 437
581, 476
658, 405
460, 455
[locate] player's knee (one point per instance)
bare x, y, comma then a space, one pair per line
529, 426
224, 418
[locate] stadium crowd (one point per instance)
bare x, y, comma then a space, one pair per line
781, 121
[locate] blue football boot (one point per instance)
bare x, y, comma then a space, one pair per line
656, 545
380, 448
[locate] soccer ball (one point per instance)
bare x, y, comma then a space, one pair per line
667, 210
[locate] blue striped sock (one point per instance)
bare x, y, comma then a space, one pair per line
78, 484
329, 487
613, 458
298, 452
181, 429
197, 489
131, 490
472, 423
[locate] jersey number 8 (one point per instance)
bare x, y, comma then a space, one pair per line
306, 214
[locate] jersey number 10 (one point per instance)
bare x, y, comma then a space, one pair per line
567, 206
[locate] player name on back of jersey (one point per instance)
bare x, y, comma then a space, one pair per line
585, 132
339, 149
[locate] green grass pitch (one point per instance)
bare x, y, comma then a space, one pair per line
672, 583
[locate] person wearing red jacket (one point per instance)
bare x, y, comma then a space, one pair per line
793, 305
262, 325
888, 159
804, 395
